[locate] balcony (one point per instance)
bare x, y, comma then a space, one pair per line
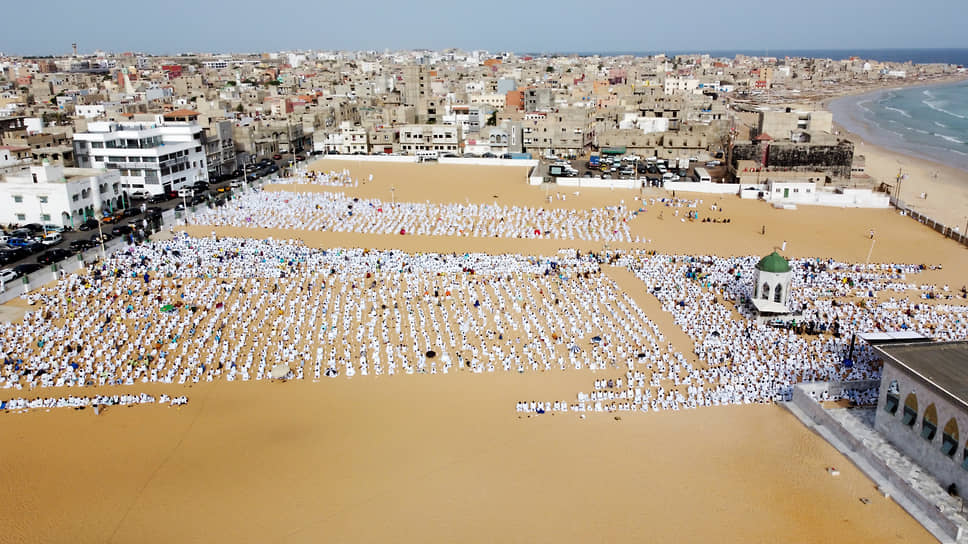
130, 165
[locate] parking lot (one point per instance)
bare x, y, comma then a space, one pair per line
24, 250
653, 172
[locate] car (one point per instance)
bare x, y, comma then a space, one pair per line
35, 247
180, 207
158, 199
54, 255
17, 242
141, 194
198, 199
7, 275
52, 239
99, 238
253, 176
121, 230
55, 228
21, 233
27, 268
200, 185
130, 212
81, 244
34, 227
302, 158
273, 169
113, 218
223, 189
276, 157
154, 211
171, 194
265, 162
88, 224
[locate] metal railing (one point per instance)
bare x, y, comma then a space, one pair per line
941, 228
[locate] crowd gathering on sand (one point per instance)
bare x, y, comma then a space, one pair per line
333, 178
22, 405
190, 310
338, 212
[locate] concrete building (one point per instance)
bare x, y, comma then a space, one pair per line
771, 286
788, 125
538, 100
155, 156
54, 195
220, 148
444, 139
923, 405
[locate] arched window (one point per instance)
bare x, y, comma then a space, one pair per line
777, 293
949, 438
766, 291
910, 415
929, 423
892, 400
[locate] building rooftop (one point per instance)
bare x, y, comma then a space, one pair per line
773, 262
943, 366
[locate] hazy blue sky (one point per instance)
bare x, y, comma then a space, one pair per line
172, 26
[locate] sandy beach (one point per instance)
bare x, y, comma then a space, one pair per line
446, 457
935, 189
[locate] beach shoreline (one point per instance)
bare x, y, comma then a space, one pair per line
928, 185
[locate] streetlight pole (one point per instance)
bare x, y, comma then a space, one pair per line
871, 250
101, 239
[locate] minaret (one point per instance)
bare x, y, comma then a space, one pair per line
74, 47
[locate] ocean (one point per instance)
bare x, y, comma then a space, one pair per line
929, 122
957, 56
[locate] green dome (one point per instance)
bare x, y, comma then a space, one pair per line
773, 263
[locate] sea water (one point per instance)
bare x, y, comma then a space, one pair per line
925, 122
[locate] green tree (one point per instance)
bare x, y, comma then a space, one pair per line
492, 120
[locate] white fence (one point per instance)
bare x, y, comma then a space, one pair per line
596, 183
527, 163
696, 187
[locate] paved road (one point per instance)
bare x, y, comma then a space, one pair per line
213, 190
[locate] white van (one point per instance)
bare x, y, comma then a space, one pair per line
186, 192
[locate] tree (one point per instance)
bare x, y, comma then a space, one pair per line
240, 109
549, 69
492, 120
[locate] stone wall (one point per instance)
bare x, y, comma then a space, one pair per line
834, 159
908, 439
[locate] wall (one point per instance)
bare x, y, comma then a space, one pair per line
881, 471
694, 187
908, 439
596, 183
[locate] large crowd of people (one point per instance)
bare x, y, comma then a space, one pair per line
339, 212
190, 310
22, 405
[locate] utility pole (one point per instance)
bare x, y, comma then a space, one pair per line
897, 189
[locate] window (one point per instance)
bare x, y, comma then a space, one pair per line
45, 217
778, 293
97, 145
949, 438
42, 199
75, 197
910, 414
18, 198
21, 217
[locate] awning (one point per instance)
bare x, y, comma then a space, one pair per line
613, 151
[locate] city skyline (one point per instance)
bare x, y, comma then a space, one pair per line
537, 27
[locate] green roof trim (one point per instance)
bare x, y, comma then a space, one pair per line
774, 263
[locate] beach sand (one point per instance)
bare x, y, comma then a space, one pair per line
946, 186
446, 457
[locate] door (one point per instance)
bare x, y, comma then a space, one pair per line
786, 193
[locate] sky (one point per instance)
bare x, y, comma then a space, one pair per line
218, 26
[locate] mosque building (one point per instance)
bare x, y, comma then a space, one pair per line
771, 287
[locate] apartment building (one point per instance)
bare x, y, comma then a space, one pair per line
54, 195
220, 148
155, 156
445, 139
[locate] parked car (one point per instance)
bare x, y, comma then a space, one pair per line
81, 244
130, 212
198, 199
121, 230
88, 224
35, 247
140, 194
52, 239
97, 238
7, 275
21, 233
276, 157
27, 268
34, 227
18, 242
158, 199
55, 255
302, 158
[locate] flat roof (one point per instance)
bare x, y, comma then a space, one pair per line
940, 365
769, 307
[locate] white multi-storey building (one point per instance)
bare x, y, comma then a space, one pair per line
54, 195
154, 156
